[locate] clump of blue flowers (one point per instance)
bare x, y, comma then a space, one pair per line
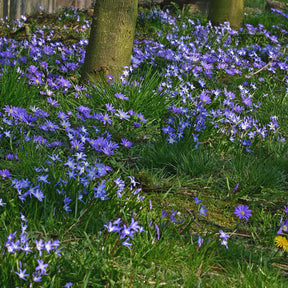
28, 259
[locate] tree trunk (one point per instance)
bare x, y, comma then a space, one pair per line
111, 39
226, 10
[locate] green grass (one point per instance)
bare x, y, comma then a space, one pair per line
14, 89
255, 4
170, 177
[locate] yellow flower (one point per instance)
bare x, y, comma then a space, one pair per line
281, 242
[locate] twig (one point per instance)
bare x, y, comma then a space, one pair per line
191, 212
281, 266
71, 239
240, 234
151, 282
208, 141
198, 273
265, 66
261, 200
77, 220
268, 64
114, 248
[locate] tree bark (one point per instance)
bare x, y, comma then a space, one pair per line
111, 39
221, 11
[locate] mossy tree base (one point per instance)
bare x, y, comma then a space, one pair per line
111, 39
221, 11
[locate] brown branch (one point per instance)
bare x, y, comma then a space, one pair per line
77, 220
281, 266
264, 67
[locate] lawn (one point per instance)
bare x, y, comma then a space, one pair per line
174, 176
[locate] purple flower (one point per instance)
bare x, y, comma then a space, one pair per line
150, 205
9, 156
10, 110
157, 231
110, 78
51, 126
284, 226
62, 115
44, 64
42, 178
48, 246
122, 115
64, 82
200, 241
133, 182
39, 246
5, 173
100, 191
134, 226
110, 108
106, 119
197, 201
77, 145
52, 102
203, 210
286, 209
247, 101
225, 243
205, 98
126, 243
223, 236
121, 96
47, 50
141, 117
36, 277
2, 203
22, 274
42, 267
36, 81
131, 112
121, 185
243, 211
164, 214
37, 193
80, 156
127, 232
112, 227
126, 143
235, 188
66, 201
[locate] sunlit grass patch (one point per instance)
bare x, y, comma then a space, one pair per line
174, 176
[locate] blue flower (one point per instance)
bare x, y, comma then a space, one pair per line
22, 274
243, 211
203, 210
5, 174
284, 226
121, 96
122, 115
126, 143
41, 266
200, 241
197, 201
